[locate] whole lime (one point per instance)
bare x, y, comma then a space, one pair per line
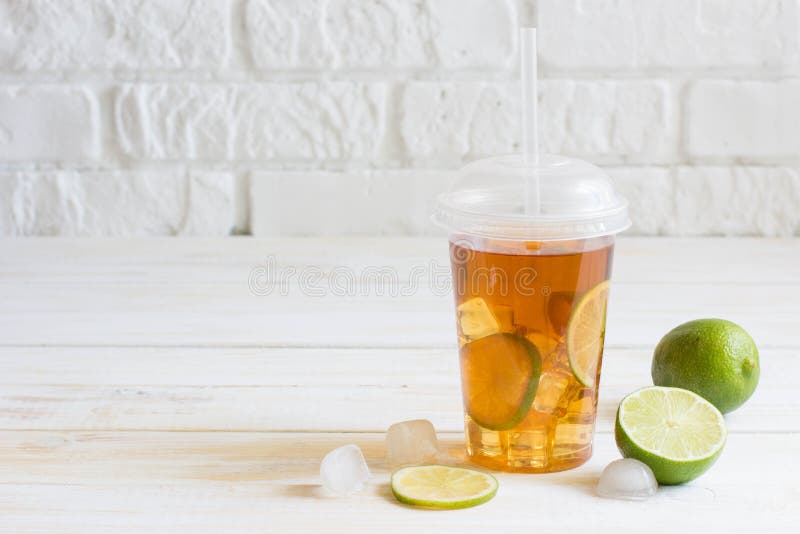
715, 358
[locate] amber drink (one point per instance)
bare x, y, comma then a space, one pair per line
514, 303
531, 291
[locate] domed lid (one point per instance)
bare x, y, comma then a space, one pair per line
496, 198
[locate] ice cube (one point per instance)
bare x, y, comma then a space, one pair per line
627, 479
411, 443
558, 358
344, 470
581, 408
475, 319
574, 437
504, 315
544, 343
551, 395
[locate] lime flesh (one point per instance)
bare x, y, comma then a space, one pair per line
500, 377
676, 432
442, 487
585, 333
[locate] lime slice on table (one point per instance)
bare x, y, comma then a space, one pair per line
440, 486
676, 432
500, 376
585, 332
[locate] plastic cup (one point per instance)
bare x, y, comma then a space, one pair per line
531, 289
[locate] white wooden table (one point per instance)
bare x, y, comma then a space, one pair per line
145, 387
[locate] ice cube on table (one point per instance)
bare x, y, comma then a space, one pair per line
627, 479
411, 443
551, 394
476, 320
344, 470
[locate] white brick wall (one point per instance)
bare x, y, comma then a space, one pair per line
49, 122
299, 117
746, 120
86, 35
302, 121
724, 36
115, 203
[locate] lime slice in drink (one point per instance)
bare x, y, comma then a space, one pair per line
500, 376
676, 432
440, 486
585, 331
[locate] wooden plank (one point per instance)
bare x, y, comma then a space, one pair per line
221, 482
125, 314
300, 389
165, 292
638, 259
171, 366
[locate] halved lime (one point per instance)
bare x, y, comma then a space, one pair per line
500, 374
441, 486
676, 432
585, 332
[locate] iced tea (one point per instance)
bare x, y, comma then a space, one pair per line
531, 321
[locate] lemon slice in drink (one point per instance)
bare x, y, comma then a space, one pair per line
585, 331
676, 432
440, 486
500, 376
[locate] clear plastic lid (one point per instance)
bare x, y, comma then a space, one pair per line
492, 198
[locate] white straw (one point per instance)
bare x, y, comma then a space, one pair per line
530, 129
